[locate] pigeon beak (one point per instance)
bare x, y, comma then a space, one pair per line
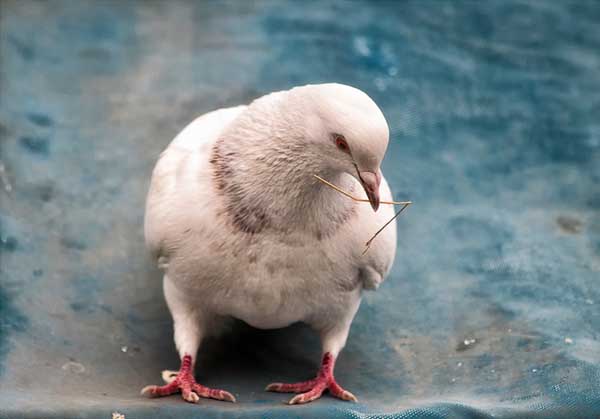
370, 181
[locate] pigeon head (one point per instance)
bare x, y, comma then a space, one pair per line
348, 131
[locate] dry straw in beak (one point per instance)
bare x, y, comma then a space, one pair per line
403, 203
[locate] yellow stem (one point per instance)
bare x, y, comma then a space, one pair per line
343, 192
368, 243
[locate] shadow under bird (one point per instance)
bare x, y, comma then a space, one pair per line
242, 229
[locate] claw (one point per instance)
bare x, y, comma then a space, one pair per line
184, 381
346, 395
309, 396
227, 396
159, 391
313, 389
210, 393
148, 391
190, 397
292, 388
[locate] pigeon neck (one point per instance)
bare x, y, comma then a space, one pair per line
268, 185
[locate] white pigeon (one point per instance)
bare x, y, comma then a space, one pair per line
242, 229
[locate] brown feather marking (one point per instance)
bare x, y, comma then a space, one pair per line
247, 219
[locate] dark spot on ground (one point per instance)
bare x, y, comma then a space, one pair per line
11, 320
501, 314
9, 243
40, 119
78, 307
38, 272
85, 290
35, 145
568, 224
71, 243
524, 343
24, 50
106, 308
45, 192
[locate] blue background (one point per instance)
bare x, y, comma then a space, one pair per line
494, 111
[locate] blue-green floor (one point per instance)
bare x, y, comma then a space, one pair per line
493, 305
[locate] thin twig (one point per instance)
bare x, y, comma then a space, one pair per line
368, 243
331, 185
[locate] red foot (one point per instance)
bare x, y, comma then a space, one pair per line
184, 381
313, 389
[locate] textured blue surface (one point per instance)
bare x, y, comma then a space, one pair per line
493, 305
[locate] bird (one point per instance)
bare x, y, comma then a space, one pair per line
242, 230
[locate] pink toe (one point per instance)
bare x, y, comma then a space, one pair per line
293, 387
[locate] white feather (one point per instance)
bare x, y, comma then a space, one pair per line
305, 265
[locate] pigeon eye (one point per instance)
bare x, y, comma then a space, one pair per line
341, 143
